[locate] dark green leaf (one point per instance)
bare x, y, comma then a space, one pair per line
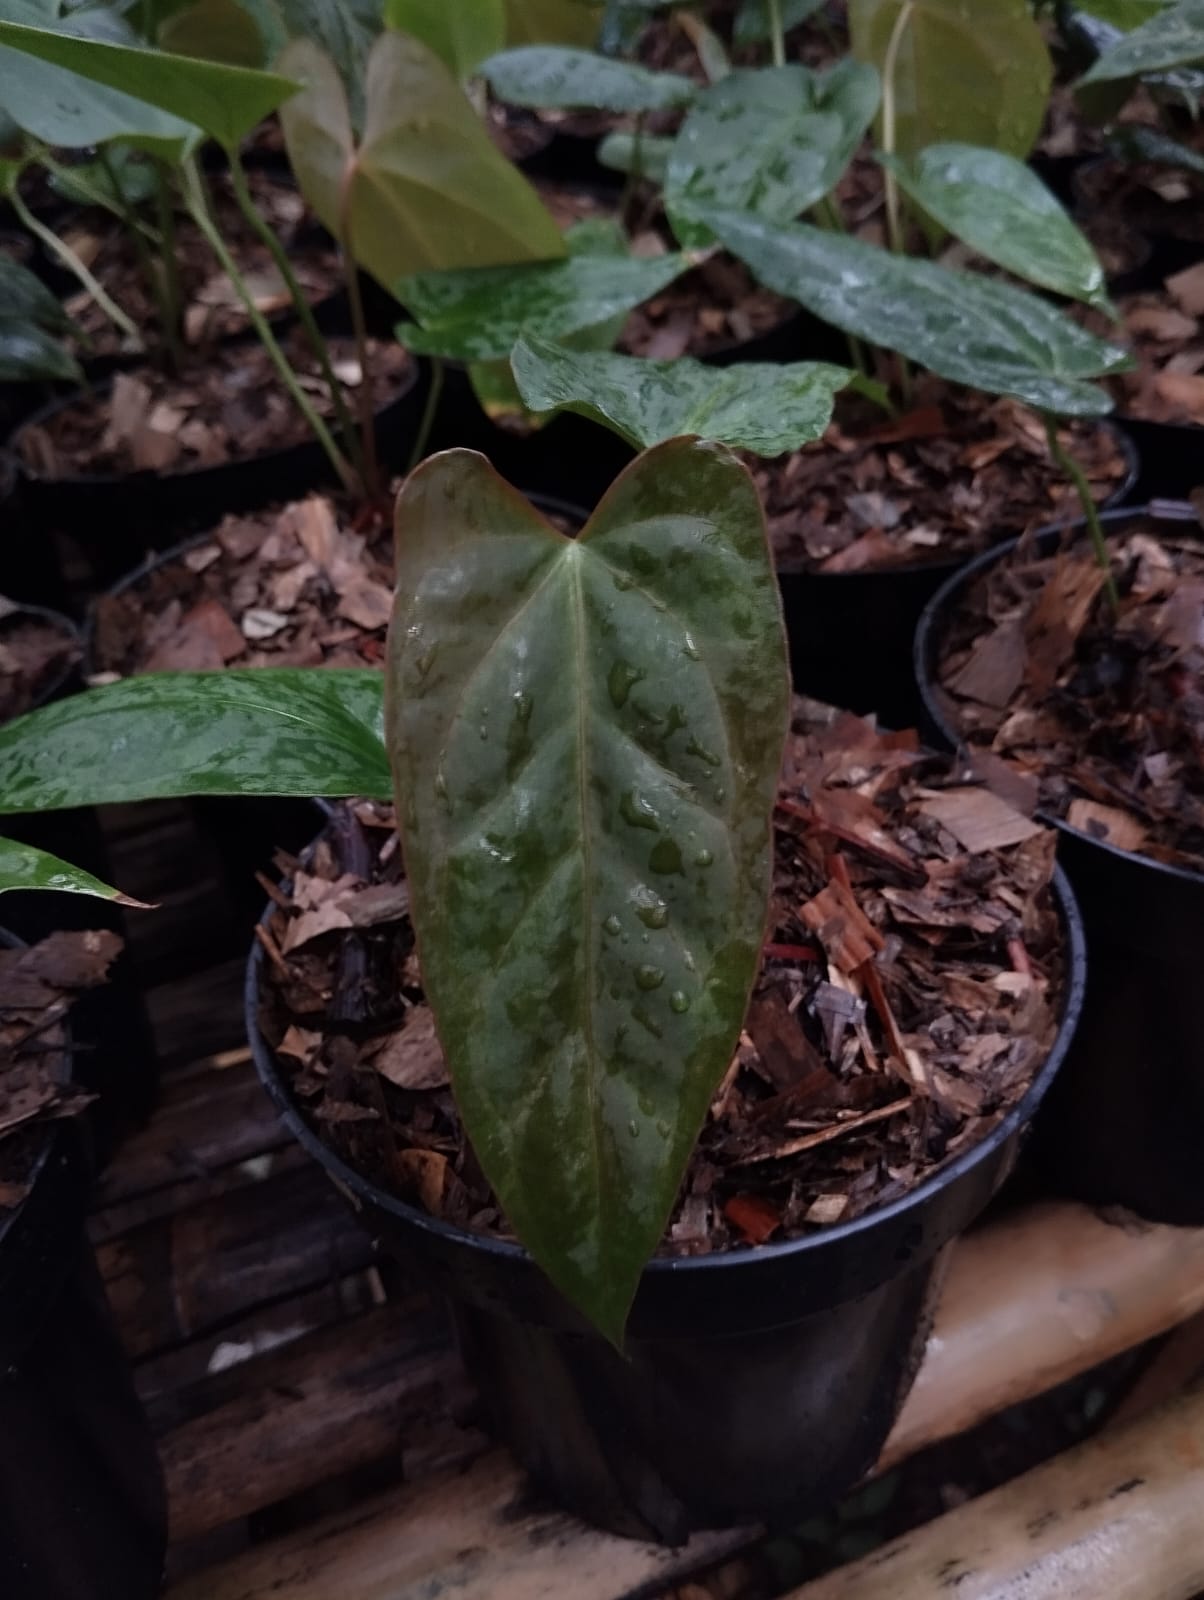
1123, 14
214, 30
584, 780
964, 327
553, 22
461, 34
1172, 38
298, 731
90, 183
752, 24
1135, 143
759, 406
344, 30
227, 102
23, 867
24, 295
29, 352
549, 76
977, 72
647, 155
773, 141
478, 315
1002, 210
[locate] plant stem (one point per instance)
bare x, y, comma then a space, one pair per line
151, 270
75, 266
777, 33
369, 465
433, 395
279, 255
890, 62
173, 293
198, 210
1083, 489
631, 181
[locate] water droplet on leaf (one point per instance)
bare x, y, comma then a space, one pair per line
679, 1002
637, 811
613, 925
704, 858
666, 856
649, 977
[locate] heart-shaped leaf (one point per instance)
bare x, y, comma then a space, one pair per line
760, 406
275, 730
462, 35
478, 316
773, 141
425, 188
225, 101
964, 327
23, 867
977, 72
584, 779
753, 24
1172, 38
1001, 209
552, 77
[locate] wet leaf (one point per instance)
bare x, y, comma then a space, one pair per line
773, 141
478, 315
753, 26
962, 326
978, 73
425, 188
1001, 209
584, 780
551, 77
23, 867
1172, 38
462, 34
268, 730
761, 406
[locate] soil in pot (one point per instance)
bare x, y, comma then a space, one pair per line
1165, 331
38, 651
907, 1004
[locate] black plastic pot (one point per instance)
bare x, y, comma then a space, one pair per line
1122, 1125
83, 1513
757, 1385
29, 566
850, 633
1171, 455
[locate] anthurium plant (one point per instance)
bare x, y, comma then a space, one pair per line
583, 739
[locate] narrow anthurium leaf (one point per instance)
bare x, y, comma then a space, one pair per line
1172, 38
461, 34
23, 867
973, 70
551, 77
227, 102
584, 779
1131, 142
22, 294
754, 22
773, 141
477, 316
27, 351
760, 406
293, 731
645, 154
1001, 209
960, 325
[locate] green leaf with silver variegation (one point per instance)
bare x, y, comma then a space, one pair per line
23, 295
964, 327
773, 141
768, 408
550, 77
1131, 142
1173, 38
1001, 209
23, 867
28, 352
584, 782
276, 730
754, 23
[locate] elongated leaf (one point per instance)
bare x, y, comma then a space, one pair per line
773, 141
23, 867
966, 328
553, 22
753, 25
976, 71
291, 731
1172, 38
23, 295
29, 352
1135, 143
425, 189
550, 76
584, 778
646, 155
1123, 14
477, 316
1002, 210
461, 34
227, 102
760, 406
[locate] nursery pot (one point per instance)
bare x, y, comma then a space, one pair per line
756, 1385
82, 1505
1171, 455
851, 633
1122, 1123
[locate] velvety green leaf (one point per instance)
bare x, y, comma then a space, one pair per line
975, 72
227, 102
425, 189
552, 22
1172, 38
461, 34
23, 867
773, 141
291, 731
344, 30
584, 780
24, 295
1135, 143
761, 406
214, 30
28, 352
477, 316
550, 76
90, 183
964, 327
647, 155
1002, 210
752, 24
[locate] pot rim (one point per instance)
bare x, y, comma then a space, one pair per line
364, 1191
75, 660
927, 638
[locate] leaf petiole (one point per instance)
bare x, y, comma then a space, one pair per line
1090, 511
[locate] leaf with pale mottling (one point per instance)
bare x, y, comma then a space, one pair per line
24, 867
551, 77
1172, 38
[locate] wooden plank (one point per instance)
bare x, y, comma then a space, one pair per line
198, 1015
1116, 1517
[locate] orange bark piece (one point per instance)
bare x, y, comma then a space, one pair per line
842, 927
755, 1218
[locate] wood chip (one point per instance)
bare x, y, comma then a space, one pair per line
1108, 823
413, 1058
980, 820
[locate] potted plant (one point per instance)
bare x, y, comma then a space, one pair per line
584, 738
